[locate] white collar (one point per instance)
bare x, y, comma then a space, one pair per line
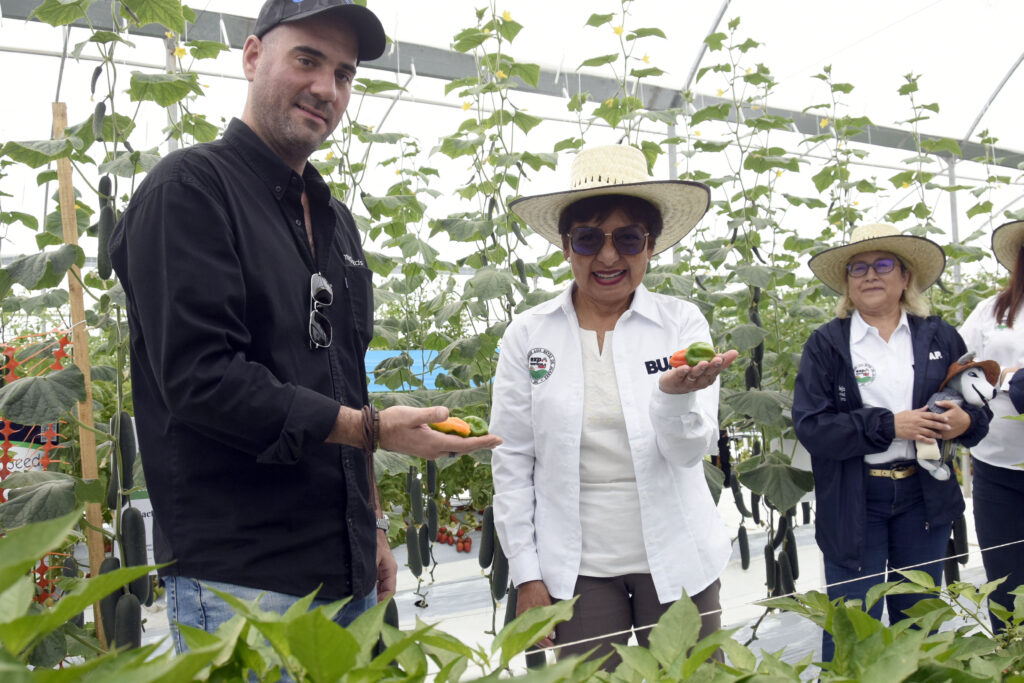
859, 327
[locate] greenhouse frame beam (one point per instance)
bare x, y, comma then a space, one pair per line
431, 62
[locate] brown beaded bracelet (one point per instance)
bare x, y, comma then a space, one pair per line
371, 428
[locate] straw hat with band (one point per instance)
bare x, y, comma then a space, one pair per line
618, 169
921, 256
1007, 241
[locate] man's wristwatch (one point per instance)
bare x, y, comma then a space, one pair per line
384, 523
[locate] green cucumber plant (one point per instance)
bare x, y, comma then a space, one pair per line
748, 278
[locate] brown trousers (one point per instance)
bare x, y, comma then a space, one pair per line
620, 605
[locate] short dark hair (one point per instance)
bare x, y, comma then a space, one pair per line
598, 208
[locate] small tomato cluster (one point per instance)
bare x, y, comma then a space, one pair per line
462, 542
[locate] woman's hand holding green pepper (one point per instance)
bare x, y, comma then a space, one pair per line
694, 368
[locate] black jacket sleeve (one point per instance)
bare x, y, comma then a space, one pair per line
1017, 391
824, 429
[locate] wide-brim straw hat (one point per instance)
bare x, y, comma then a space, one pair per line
920, 255
618, 169
1007, 241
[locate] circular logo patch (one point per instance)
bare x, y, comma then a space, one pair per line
864, 372
542, 364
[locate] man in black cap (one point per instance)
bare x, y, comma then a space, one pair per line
250, 308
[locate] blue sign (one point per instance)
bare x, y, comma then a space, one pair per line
420, 361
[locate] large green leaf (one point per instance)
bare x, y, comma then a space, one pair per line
167, 13
774, 478
45, 500
599, 61
45, 269
746, 336
756, 275
164, 89
21, 548
676, 632
529, 627
44, 399
713, 112
715, 479
61, 12
761, 405
36, 153
312, 635
490, 283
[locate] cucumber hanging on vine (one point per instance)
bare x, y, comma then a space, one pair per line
98, 115
424, 540
737, 495
96, 73
432, 477
133, 537
769, 567
786, 584
416, 500
486, 554
412, 549
104, 229
128, 623
959, 539
780, 531
950, 566
432, 518
108, 603
791, 552
499, 572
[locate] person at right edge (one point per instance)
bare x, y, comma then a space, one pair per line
995, 331
859, 406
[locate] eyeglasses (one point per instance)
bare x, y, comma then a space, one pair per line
321, 295
859, 269
628, 240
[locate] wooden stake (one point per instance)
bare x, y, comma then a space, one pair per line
80, 340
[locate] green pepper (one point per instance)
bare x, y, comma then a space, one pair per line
692, 354
699, 351
477, 425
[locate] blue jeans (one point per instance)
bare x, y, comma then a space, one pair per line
897, 536
190, 602
998, 495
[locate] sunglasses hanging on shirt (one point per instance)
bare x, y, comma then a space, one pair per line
321, 295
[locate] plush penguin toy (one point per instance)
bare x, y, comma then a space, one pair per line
967, 381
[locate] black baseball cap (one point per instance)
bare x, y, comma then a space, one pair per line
366, 24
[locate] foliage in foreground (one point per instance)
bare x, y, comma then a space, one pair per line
312, 648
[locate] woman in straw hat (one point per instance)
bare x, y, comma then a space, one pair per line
860, 405
995, 330
599, 485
